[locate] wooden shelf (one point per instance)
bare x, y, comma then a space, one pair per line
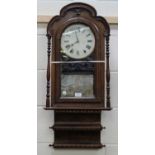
78, 127
78, 146
75, 109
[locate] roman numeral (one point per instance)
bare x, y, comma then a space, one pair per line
66, 41
89, 41
77, 52
78, 28
67, 35
88, 35
88, 47
71, 51
67, 46
84, 51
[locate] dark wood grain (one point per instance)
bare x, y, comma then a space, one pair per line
100, 28
107, 73
48, 70
77, 122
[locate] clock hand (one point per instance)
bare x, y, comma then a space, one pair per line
76, 37
74, 43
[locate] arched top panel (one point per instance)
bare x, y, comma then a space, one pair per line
88, 23
77, 10
78, 7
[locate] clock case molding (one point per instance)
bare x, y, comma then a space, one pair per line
77, 122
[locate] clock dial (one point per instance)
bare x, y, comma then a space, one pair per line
77, 41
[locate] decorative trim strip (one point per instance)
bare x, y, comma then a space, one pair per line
113, 20
107, 74
48, 72
78, 127
72, 62
78, 109
77, 145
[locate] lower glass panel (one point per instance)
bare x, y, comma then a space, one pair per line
77, 86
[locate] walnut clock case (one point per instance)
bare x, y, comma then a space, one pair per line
78, 76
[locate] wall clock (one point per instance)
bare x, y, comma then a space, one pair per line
78, 76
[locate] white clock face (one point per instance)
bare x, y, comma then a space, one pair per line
77, 41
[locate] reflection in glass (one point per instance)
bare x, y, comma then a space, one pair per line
77, 86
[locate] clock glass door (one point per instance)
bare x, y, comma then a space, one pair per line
77, 69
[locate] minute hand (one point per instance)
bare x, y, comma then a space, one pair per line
76, 37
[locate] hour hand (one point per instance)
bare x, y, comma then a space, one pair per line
74, 43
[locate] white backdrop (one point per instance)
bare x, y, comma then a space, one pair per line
45, 118
18, 79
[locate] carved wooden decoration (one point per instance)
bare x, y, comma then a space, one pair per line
78, 76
